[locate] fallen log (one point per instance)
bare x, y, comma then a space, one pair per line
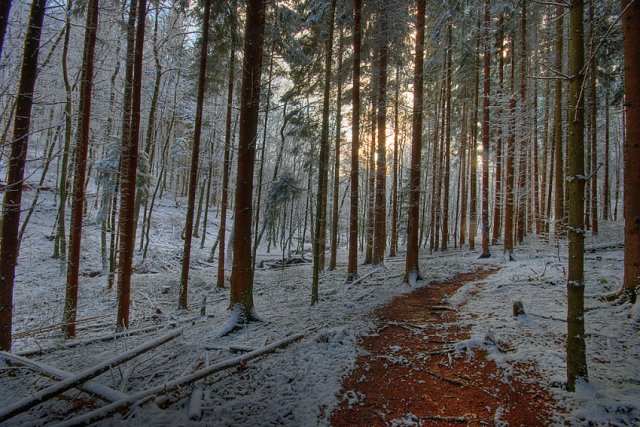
105, 337
144, 395
47, 393
102, 391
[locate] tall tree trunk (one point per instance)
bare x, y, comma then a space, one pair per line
594, 122
352, 268
473, 181
557, 131
606, 186
547, 175
336, 167
412, 268
224, 202
380, 224
242, 272
631, 30
521, 217
393, 246
509, 190
267, 222
486, 93
371, 176
195, 158
82, 147
447, 142
321, 196
60, 241
497, 206
576, 348
129, 168
12, 201
464, 173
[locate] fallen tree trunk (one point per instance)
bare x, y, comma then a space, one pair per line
105, 337
102, 391
43, 395
143, 395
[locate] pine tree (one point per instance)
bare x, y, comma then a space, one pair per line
242, 272
631, 29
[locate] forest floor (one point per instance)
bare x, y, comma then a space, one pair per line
413, 373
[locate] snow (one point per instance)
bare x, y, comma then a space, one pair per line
301, 383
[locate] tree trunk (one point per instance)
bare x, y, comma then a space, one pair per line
393, 246
557, 131
606, 186
447, 142
473, 181
60, 241
352, 268
242, 273
576, 348
11, 204
321, 196
509, 193
594, 123
336, 167
380, 222
224, 202
195, 158
631, 29
486, 93
498, 202
129, 168
371, 176
82, 147
412, 268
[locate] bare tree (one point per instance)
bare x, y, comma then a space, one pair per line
129, 162
80, 172
12, 201
195, 158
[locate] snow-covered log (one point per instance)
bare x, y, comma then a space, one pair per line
107, 410
99, 390
75, 380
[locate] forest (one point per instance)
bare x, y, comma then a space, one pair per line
319, 212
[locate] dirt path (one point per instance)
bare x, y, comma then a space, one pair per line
412, 377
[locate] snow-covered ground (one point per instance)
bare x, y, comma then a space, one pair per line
300, 384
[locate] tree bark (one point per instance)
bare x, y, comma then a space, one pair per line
321, 196
576, 348
336, 167
224, 202
195, 158
557, 131
447, 142
380, 221
129, 168
412, 268
352, 268
82, 147
631, 30
486, 93
12, 201
242, 272
498, 202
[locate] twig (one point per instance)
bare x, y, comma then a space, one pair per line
440, 377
